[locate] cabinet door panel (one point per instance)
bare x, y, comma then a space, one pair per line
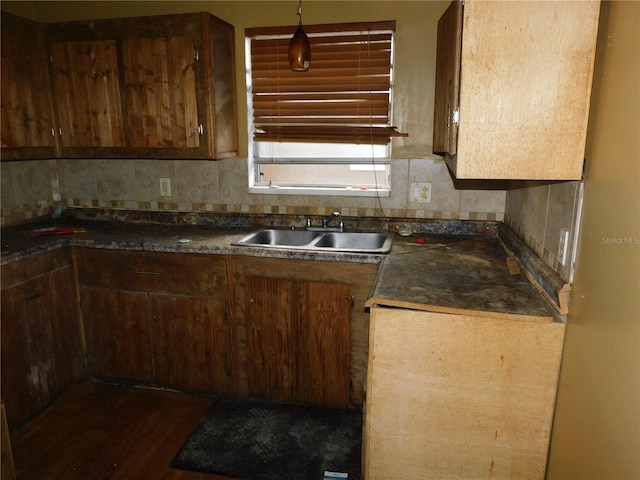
270, 349
85, 76
16, 360
298, 340
27, 116
65, 325
445, 130
191, 343
161, 92
323, 337
117, 334
41, 349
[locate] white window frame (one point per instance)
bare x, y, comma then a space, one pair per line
372, 157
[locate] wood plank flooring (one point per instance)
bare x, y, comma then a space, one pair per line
98, 431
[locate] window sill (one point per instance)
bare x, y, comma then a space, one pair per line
335, 192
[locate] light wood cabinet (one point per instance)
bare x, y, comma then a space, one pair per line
525, 75
145, 87
41, 340
156, 318
459, 396
300, 329
27, 113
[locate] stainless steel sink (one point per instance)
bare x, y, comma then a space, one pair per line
275, 238
369, 241
357, 242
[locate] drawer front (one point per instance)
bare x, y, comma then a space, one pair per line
178, 273
25, 269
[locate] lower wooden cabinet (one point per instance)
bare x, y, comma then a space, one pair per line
298, 340
300, 329
459, 396
117, 333
156, 318
191, 343
41, 342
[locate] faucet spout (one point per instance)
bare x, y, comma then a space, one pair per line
327, 221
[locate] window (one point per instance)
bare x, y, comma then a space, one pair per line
327, 130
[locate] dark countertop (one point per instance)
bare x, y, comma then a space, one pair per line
451, 273
17, 242
457, 274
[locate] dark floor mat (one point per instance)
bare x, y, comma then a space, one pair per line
256, 440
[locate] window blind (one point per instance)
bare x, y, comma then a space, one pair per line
344, 97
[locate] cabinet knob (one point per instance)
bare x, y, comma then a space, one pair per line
201, 129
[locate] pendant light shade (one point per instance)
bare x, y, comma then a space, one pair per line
299, 48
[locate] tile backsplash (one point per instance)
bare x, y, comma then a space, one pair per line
31, 189
538, 211
535, 211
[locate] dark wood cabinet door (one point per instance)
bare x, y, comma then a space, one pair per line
87, 91
298, 340
158, 86
27, 115
41, 347
445, 123
117, 334
160, 81
270, 340
191, 343
323, 341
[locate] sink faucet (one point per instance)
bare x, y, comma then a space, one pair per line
325, 224
327, 221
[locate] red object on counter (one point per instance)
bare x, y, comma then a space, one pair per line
420, 240
39, 232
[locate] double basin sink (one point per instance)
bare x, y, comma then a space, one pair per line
357, 242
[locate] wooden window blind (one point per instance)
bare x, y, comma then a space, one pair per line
344, 97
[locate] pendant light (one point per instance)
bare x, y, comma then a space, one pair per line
299, 47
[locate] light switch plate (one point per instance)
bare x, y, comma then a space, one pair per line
165, 187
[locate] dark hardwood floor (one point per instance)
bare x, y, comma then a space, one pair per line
98, 431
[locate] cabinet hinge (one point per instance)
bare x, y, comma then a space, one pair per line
456, 117
51, 59
196, 56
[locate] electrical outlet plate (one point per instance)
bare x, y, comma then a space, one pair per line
165, 187
420, 192
563, 246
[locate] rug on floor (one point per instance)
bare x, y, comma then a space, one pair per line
257, 440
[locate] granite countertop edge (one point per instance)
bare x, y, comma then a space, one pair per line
18, 243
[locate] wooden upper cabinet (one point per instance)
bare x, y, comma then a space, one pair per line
145, 87
160, 81
526, 71
27, 115
87, 91
445, 124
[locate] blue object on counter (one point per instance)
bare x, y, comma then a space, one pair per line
57, 212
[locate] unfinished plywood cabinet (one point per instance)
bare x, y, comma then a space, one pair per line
459, 396
145, 87
513, 88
